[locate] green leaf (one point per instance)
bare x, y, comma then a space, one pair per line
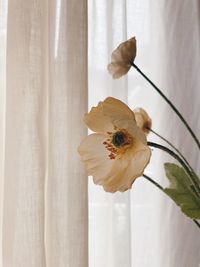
182, 191
196, 182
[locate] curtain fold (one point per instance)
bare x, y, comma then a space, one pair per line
182, 65
44, 183
43, 96
3, 23
67, 182
109, 214
143, 227
25, 145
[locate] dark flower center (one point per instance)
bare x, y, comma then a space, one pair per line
118, 139
117, 143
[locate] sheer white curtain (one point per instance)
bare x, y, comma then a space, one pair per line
143, 227
43, 96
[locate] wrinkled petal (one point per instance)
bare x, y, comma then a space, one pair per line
123, 180
125, 52
105, 116
133, 129
116, 109
143, 120
122, 58
97, 121
95, 156
117, 69
117, 168
118, 153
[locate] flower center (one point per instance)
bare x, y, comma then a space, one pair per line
118, 139
118, 142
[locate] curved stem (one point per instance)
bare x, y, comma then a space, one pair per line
184, 165
153, 182
170, 104
172, 146
171, 153
197, 223
162, 189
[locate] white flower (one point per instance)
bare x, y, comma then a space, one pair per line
117, 153
122, 58
143, 120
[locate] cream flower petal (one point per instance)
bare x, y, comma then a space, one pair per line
117, 56
122, 181
117, 69
142, 119
122, 58
95, 157
97, 121
103, 117
118, 153
133, 129
125, 52
117, 110
118, 167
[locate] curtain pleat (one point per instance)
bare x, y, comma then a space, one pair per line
182, 78
67, 182
109, 228
25, 144
143, 227
3, 22
45, 185
43, 91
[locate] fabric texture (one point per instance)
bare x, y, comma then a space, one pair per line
43, 96
142, 227
44, 183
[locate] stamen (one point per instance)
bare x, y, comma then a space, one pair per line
118, 142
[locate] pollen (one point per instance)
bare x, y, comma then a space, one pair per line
118, 142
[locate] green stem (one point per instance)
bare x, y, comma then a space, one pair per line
170, 104
153, 182
184, 165
197, 223
171, 153
172, 146
162, 189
